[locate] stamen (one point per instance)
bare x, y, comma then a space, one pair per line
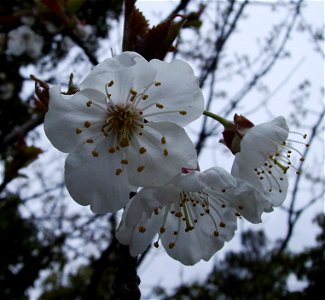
118, 171
133, 92
140, 168
124, 161
142, 150
95, 153
87, 124
142, 229
111, 150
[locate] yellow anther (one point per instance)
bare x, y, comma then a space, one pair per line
89, 103
183, 112
133, 92
110, 83
165, 152
140, 168
89, 141
163, 140
124, 161
87, 124
145, 97
162, 230
95, 153
111, 150
142, 150
171, 245
124, 142
142, 229
160, 106
157, 83
223, 225
216, 233
118, 171
78, 130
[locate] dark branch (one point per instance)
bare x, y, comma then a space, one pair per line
292, 215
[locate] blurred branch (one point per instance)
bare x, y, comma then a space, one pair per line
181, 6
318, 47
212, 64
265, 69
21, 131
92, 58
116, 257
292, 215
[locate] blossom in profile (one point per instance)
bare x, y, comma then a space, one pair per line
264, 157
124, 128
23, 40
193, 215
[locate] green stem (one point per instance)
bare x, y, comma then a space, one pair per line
226, 123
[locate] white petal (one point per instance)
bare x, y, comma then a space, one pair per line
263, 140
126, 71
199, 243
160, 168
279, 187
236, 193
178, 92
67, 113
191, 182
110, 65
147, 200
138, 241
92, 180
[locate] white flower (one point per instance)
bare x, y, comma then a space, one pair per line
265, 157
24, 40
123, 129
194, 215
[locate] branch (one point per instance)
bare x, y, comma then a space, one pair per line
265, 70
212, 64
92, 58
21, 131
181, 6
293, 217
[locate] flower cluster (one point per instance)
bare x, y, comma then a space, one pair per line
124, 131
23, 40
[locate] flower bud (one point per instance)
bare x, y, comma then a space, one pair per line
233, 134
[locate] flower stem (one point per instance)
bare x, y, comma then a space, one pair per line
226, 123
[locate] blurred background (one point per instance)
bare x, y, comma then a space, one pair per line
257, 58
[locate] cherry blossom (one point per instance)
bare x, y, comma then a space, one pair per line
23, 40
124, 128
193, 215
265, 157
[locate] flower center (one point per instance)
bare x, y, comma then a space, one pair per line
188, 210
122, 121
